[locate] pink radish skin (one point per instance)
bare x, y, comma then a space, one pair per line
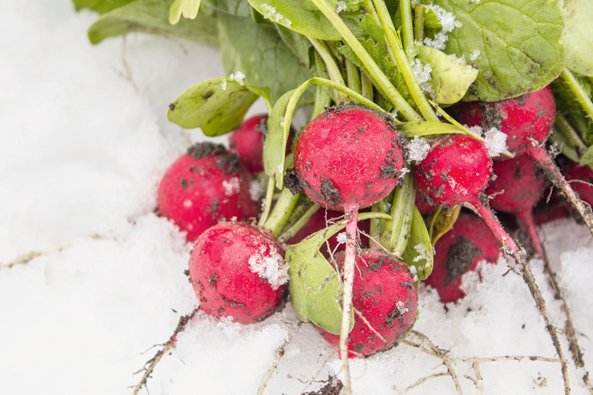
516, 188
527, 120
348, 158
385, 295
459, 251
247, 141
203, 187
222, 276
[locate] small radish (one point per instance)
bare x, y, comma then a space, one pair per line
384, 294
581, 179
458, 251
348, 158
203, 187
238, 271
248, 141
527, 120
516, 187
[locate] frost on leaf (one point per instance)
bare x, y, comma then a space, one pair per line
269, 266
422, 74
417, 149
341, 7
496, 142
271, 14
422, 253
475, 55
237, 76
223, 85
447, 21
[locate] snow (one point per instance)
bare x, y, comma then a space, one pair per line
271, 14
83, 145
418, 149
496, 142
231, 186
341, 7
422, 74
474, 55
237, 76
270, 266
448, 23
342, 237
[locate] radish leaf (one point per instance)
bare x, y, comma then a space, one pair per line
189, 9
578, 36
587, 159
419, 251
217, 106
101, 6
153, 16
519, 43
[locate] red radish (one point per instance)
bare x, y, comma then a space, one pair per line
550, 210
458, 251
385, 295
527, 120
248, 141
238, 271
456, 170
516, 187
203, 187
348, 158
581, 179
422, 205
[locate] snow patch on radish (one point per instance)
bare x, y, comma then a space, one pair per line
496, 142
256, 191
271, 267
417, 149
232, 186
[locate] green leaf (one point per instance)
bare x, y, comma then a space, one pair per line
259, 52
291, 14
578, 36
315, 289
189, 9
372, 28
430, 19
587, 159
422, 129
298, 44
566, 101
217, 106
450, 78
519, 43
441, 221
419, 251
152, 16
275, 143
234, 7
100, 6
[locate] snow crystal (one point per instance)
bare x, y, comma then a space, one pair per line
223, 85
238, 77
475, 54
271, 267
417, 149
256, 191
448, 22
401, 307
271, 14
231, 187
475, 129
496, 142
439, 41
341, 7
422, 253
282, 122
422, 74
342, 238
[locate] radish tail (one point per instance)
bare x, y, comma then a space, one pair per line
554, 175
352, 216
526, 219
508, 244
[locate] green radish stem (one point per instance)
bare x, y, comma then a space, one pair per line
298, 225
281, 212
578, 91
376, 73
353, 76
571, 135
322, 100
366, 86
368, 5
402, 61
408, 30
419, 22
267, 202
565, 146
332, 68
351, 215
580, 122
396, 230
297, 213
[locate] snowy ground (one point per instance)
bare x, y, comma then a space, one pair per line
83, 142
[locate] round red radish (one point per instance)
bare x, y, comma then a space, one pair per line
581, 179
422, 204
238, 271
385, 295
458, 251
527, 120
203, 187
456, 170
348, 155
248, 141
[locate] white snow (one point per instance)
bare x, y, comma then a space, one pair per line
474, 55
231, 186
342, 237
270, 266
83, 145
237, 76
271, 14
496, 142
448, 23
341, 7
422, 74
418, 149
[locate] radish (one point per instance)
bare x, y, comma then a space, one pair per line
385, 302
458, 251
203, 187
516, 188
348, 158
248, 141
581, 177
527, 120
237, 270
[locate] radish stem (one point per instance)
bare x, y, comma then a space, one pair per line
578, 91
332, 68
281, 213
408, 30
293, 230
267, 202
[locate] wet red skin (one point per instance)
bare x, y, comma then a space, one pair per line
530, 116
547, 211
582, 173
249, 144
192, 195
378, 287
474, 229
220, 273
422, 205
522, 183
348, 147
456, 169
318, 222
